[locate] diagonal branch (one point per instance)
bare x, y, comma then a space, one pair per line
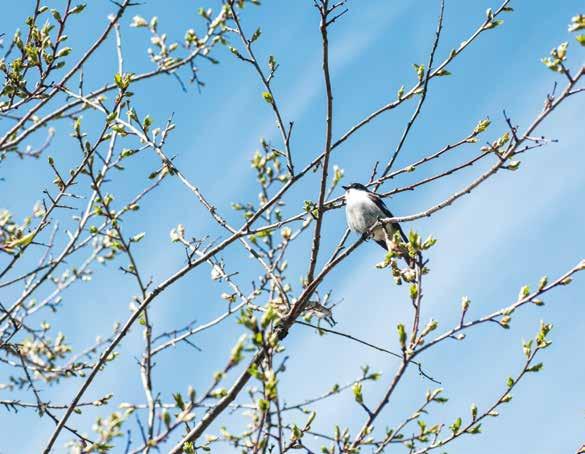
266, 82
324, 10
423, 97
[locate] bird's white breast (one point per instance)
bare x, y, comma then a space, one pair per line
361, 211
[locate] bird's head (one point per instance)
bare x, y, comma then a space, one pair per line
356, 186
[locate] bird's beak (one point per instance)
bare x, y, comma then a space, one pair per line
345, 187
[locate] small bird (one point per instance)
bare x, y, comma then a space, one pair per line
363, 208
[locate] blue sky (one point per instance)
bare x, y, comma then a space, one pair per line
514, 229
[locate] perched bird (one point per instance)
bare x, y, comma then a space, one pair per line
363, 208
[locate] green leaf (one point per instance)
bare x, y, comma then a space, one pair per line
118, 80
536, 368
63, 52
413, 291
401, 335
474, 430
256, 35
127, 152
147, 122
420, 71
493, 24
357, 393
21, 242
375, 376
429, 242
527, 348
465, 302
442, 72
566, 281
552, 64
138, 21
337, 174
263, 405
507, 398
577, 23
56, 15
505, 321
166, 417
234, 51
513, 165
431, 326
272, 63
456, 425
561, 51
400, 93
524, 292
138, 237
77, 9
481, 126
434, 394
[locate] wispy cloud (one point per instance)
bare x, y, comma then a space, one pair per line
372, 21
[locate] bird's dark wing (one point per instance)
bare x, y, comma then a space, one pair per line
384, 209
380, 204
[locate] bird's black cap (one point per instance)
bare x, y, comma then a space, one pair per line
359, 186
